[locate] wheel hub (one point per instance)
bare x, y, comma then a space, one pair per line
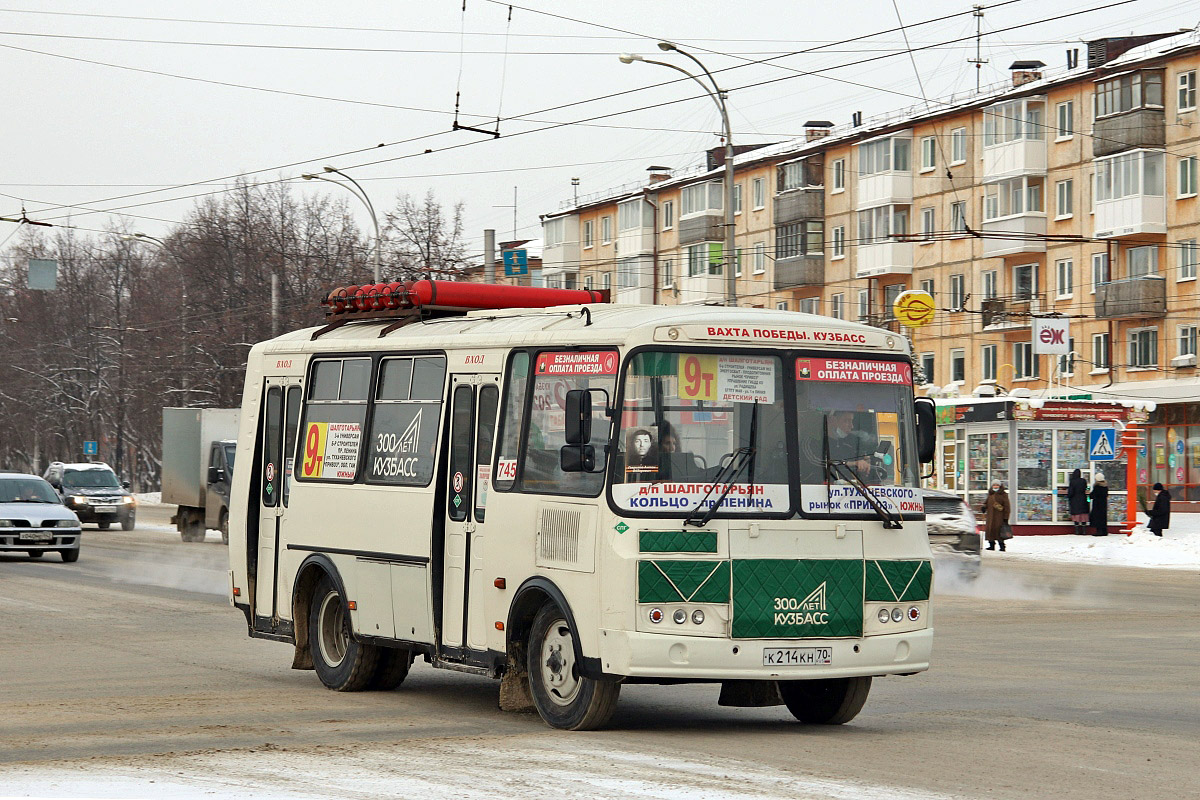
558, 664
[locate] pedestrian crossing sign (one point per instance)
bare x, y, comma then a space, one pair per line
1102, 444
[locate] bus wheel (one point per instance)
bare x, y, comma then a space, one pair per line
832, 701
342, 664
392, 668
565, 698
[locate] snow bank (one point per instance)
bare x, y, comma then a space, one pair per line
1178, 548
149, 497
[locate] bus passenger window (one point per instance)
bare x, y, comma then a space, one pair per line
511, 418
272, 428
333, 419
458, 496
402, 445
291, 424
489, 397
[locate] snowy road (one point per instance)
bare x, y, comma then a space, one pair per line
126, 675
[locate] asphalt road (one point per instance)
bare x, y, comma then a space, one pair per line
1057, 681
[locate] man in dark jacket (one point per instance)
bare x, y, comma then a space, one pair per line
1160, 514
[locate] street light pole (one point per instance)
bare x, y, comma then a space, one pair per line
719, 97
361, 194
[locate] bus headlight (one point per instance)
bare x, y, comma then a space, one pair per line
897, 615
680, 616
697, 617
884, 615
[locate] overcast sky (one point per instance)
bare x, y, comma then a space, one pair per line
83, 132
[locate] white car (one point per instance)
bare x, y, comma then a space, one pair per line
33, 519
953, 531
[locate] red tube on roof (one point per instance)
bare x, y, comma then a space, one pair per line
455, 294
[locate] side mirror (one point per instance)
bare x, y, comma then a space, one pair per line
577, 458
125, 484
926, 414
579, 417
214, 474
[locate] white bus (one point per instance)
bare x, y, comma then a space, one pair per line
570, 498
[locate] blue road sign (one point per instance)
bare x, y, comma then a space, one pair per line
1102, 444
516, 263
90, 449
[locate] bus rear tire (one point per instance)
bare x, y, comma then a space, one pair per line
341, 662
564, 698
392, 668
831, 701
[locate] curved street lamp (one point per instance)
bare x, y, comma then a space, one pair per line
718, 96
361, 194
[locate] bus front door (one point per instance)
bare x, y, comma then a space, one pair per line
277, 431
473, 403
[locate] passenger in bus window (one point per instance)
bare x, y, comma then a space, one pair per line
674, 462
850, 445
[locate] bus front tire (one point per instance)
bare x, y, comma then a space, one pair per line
564, 698
392, 668
342, 663
831, 701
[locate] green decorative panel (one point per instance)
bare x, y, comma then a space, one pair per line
677, 541
683, 581
806, 598
898, 581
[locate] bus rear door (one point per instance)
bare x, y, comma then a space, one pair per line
277, 432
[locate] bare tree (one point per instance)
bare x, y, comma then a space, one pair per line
424, 239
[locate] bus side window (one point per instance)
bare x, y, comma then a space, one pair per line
462, 412
402, 443
290, 426
512, 418
333, 419
271, 429
489, 398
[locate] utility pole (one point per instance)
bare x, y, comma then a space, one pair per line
489, 255
978, 60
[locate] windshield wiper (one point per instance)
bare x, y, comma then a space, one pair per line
742, 460
891, 520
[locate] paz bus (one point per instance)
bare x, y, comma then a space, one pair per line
566, 495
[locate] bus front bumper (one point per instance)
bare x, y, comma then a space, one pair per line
656, 655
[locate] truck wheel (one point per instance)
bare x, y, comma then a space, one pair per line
103, 525
224, 525
191, 528
128, 521
565, 698
392, 668
342, 663
831, 701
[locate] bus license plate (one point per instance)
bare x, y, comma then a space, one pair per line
35, 536
797, 656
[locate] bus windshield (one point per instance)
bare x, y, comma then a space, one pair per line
689, 420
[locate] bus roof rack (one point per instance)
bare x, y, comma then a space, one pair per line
406, 302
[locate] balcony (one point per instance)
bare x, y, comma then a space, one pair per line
1141, 127
1014, 139
1029, 227
641, 295
797, 204
1143, 297
702, 288
635, 241
884, 258
1010, 313
1130, 216
708, 227
885, 188
1014, 159
807, 270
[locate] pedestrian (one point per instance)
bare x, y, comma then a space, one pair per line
996, 509
1160, 514
1099, 515
1077, 502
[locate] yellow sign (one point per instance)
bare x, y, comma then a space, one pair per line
913, 308
698, 378
314, 449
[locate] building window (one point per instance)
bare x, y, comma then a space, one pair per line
1025, 283
760, 258
927, 224
1012, 121
839, 175
737, 198
928, 153
554, 231
606, 280
570, 280
958, 285
884, 155
1099, 352
1143, 347
587, 233
799, 239
1187, 176
810, 305
927, 287
1064, 198
1187, 90
839, 242
890, 293
928, 362
958, 365
1127, 92
668, 273
1100, 271
880, 223
958, 146
1187, 340
701, 198
737, 262
837, 305
782, 305
1142, 261
1065, 115
605, 230
988, 354
1065, 273
1012, 196
990, 284
668, 215
1136, 173
587, 281
799, 174
636, 213
759, 187
1025, 363
1187, 259
864, 304
958, 216
1066, 361
629, 272
701, 259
